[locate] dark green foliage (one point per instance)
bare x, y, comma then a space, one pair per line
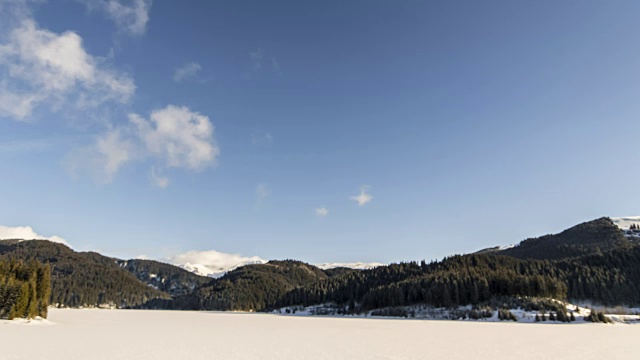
168, 278
458, 280
251, 287
504, 314
596, 316
592, 261
339, 271
24, 289
591, 237
82, 278
476, 314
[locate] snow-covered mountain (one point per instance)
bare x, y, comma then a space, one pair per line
212, 263
625, 224
214, 271
354, 265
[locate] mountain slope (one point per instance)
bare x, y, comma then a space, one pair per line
82, 278
251, 287
590, 237
165, 277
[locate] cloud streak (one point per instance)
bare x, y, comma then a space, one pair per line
321, 211
186, 71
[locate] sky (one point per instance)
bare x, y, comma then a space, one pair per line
324, 131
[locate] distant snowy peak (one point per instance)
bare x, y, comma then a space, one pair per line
215, 272
355, 265
625, 223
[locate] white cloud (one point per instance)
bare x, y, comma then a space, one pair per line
262, 191
212, 263
186, 71
27, 233
322, 211
46, 68
181, 137
364, 197
158, 180
130, 16
175, 136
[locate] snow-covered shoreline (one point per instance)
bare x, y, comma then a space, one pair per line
147, 334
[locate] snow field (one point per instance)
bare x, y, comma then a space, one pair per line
144, 334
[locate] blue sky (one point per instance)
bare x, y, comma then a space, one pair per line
159, 128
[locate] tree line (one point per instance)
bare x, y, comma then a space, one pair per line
25, 288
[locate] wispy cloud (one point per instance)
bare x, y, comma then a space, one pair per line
257, 58
103, 159
322, 211
262, 191
275, 66
364, 197
260, 61
173, 136
186, 71
130, 16
158, 180
265, 139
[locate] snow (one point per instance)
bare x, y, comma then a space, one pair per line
354, 265
424, 312
214, 271
144, 334
217, 271
625, 222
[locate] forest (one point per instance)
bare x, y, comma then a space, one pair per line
24, 289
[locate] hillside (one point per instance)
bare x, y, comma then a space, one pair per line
596, 236
82, 278
593, 261
251, 287
170, 279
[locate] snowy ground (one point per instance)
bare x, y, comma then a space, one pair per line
144, 334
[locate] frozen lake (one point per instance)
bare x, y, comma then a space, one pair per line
133, 334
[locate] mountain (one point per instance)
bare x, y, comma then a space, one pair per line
216, 271
167, 278
630, 226
355, 265
590, 237
596, 261
82, 278
251, 287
